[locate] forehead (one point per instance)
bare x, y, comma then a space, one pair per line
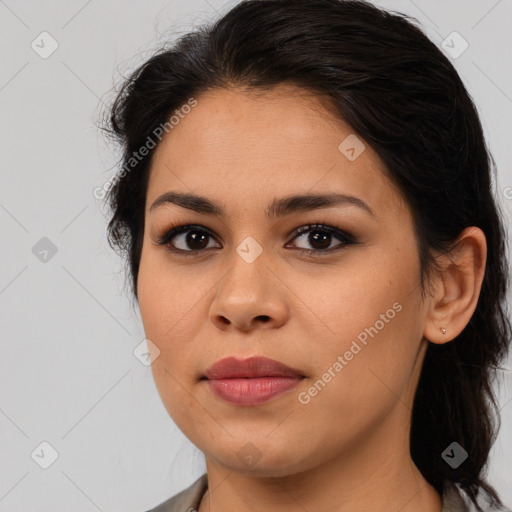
250, 146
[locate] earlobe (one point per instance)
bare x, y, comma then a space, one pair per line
457, 287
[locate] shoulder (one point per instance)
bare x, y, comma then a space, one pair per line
455, 499
185, 501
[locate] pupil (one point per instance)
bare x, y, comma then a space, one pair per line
316, 237
194, 238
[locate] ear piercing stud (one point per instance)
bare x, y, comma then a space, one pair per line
443, 330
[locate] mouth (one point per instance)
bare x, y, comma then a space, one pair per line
251, 381
253, 367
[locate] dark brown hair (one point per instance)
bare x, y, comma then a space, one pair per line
403, 97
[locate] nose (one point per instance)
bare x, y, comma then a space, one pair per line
249, 296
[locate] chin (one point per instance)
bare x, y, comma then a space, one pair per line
259, 458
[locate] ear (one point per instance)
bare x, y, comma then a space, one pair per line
457, 287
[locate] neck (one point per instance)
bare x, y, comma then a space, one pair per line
373, 474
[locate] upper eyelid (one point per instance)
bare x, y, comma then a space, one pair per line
304, 228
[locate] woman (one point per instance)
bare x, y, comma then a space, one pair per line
307, 211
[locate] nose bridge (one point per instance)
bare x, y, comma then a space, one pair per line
249, 291
248, 272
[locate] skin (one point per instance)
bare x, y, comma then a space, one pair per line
348, 448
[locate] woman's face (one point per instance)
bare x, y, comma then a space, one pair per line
346, 313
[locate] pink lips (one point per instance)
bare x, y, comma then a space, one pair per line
251, 381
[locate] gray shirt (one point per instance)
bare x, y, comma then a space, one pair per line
188, 500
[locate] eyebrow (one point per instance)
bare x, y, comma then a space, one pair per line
279, 207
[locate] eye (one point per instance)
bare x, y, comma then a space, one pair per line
179, 238
190, 240
320, 237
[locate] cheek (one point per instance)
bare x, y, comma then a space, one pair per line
169, 300
357, 386
368, 299
371, 320
170, 305
169, 309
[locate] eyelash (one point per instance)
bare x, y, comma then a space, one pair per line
344, 237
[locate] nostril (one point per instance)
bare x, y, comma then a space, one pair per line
264, 318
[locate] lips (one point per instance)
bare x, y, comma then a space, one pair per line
250, 382
253, 367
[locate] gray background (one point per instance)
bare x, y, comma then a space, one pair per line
68, 375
